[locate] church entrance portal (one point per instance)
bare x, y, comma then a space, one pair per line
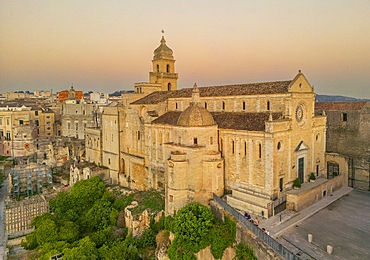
301, 169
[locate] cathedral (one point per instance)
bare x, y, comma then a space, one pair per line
247, 142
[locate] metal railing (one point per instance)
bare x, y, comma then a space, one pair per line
276, 246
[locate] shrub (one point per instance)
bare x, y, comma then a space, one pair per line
312, 176
222, 238
297, 183
244, 252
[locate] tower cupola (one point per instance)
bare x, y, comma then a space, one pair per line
164, 67
163, 51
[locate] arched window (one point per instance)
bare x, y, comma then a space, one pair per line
168, 68
268, 105
169, 86
157, 68
205, 105
223, 105
232, 146
176, 105
243, 105
211, 140
195, 141
245, 148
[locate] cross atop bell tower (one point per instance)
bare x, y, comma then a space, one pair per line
164, 67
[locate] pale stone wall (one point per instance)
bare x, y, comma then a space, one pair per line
252, 103
81, 172
300, 199
342, 162
76, 117
110, 136
93, 141
19, 214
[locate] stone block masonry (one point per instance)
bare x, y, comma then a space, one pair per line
19, 214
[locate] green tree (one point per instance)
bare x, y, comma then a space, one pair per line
102, 236
85, 192
193, 223
46, 232
37, 221
100, 216
120, 250
69, 231
62, 207
86, 250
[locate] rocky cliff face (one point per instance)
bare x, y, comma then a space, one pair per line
136, 226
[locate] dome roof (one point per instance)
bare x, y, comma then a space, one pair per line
195, 115
163, 51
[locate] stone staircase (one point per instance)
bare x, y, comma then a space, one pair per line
251, 201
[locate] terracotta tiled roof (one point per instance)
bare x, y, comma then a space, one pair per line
226, 120
327, 106
219, 91
243, 121
169, 118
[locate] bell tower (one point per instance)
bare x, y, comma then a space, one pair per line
164, 68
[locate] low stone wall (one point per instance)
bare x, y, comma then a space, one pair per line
361, 179
261, 250
310, 193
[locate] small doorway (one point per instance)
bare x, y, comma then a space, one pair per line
281, 184
301, 169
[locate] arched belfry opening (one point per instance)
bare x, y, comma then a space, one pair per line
164, 67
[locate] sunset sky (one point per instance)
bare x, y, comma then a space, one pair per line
108, 45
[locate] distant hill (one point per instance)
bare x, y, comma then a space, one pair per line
118, 93
328, 98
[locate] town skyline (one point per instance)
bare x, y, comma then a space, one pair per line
108, 47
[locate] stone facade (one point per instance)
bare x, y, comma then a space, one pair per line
19, 214
250, 141
110, 144
20, 124
84, 171
76, 118
313, 192
348, 135
17, 131
93, 145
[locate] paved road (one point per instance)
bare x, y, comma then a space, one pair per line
3, 194
345, 225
